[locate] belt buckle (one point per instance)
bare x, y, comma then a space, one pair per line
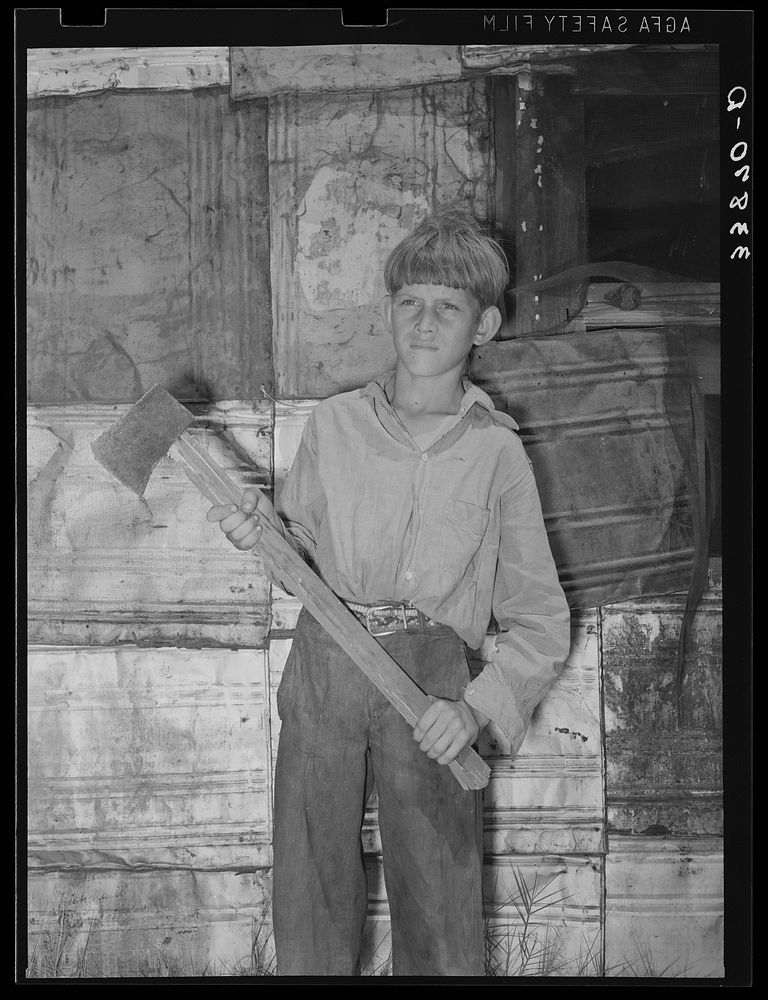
372, 627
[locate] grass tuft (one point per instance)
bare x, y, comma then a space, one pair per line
533, 946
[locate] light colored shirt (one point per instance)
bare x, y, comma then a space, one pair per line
457, 530
428, 438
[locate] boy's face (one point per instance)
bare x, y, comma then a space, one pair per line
434, 327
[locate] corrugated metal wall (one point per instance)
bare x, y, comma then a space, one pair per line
220, 246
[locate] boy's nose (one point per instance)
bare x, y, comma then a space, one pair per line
425, 323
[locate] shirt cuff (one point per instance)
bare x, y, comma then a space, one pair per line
495, 700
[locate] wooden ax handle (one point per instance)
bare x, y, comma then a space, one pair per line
410, 701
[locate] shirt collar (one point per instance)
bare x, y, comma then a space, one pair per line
472, 393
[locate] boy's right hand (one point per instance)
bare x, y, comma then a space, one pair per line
242, 524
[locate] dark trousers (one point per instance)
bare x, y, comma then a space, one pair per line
333, 720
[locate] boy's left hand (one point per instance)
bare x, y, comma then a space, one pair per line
446, 728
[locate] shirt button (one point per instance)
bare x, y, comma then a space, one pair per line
424, 457
409, 575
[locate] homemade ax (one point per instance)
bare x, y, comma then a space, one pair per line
154, 427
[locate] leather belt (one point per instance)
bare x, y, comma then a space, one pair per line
400, 616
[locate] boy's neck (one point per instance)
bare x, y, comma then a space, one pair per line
431, 395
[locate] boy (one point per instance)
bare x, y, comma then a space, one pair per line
413, 499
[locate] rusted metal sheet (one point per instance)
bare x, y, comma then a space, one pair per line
147, 247
606, 421
105, 566
154, 923
664, 907
79, 71
148, 759
264, 71
663, 778
350, 176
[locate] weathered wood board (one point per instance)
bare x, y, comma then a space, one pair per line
523, 58
148, 759
540, 197
147, 247
105, 566
350, 176
664, 907
149, 923
79, 71
264, 71
660, 304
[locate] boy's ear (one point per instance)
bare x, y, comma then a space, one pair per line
386, 311
487, 325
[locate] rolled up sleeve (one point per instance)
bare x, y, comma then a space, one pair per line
533, 617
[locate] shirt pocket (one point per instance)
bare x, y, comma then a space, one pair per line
464, 529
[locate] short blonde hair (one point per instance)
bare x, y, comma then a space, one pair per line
449, 248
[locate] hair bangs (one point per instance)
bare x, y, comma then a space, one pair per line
449, 249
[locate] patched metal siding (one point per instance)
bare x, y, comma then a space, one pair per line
157, 923
664, 788
143, 758
147, 248
149, 737
105, 566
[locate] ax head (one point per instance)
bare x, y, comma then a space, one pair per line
132, 447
